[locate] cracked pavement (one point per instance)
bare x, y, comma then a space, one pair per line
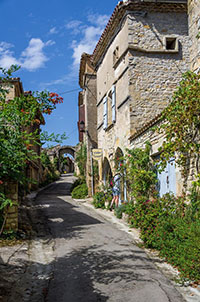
78, 255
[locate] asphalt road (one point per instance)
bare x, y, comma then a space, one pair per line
92, 259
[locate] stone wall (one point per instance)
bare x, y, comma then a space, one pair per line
11, 192
155, 71
194, 29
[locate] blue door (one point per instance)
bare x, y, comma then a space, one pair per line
167, 179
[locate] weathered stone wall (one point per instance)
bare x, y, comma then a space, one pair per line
155, 71
11, 192
194, 29
108, 74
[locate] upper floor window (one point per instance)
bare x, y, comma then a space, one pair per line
171, 43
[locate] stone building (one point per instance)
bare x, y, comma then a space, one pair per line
139, 61
88, 113
194, 30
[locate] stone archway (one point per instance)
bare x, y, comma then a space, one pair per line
69, 160
106, 171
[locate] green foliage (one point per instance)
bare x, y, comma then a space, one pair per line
99, 200
45, 160
4, 201
50, 168
182, 124
81, 158
78, 181
139, 172
104, 195
79, 192
17, 117
56, 138
170, 225
119, 210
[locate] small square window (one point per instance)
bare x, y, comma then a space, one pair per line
171, 43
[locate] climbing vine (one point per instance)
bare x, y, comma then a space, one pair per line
182, 124
139, 172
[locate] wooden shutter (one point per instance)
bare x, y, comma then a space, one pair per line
113, 103
167, 179
105, 113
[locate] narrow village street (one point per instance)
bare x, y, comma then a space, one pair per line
78, 255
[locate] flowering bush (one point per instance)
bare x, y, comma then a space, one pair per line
168, 225
17, 117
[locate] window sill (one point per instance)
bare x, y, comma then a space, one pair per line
109, 127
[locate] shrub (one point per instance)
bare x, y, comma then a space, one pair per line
79, 192
121, 209
78, 182
99, 200
168, 224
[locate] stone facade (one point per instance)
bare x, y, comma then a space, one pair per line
194, 29
87, 99
141, 57
11, 213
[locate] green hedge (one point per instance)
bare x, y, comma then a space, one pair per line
79, 192
171, 226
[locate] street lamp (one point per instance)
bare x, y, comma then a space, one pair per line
82, 126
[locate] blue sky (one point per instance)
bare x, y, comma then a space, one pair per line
47, 37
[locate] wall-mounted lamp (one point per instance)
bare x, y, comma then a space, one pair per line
82, 126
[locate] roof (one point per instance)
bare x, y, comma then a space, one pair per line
85, 59
137, 5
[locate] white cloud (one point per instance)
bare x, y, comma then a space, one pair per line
53, 30
99, 20
90, 34
73, 24
6, 55
32, 58
50, 43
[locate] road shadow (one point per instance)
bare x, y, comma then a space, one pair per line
88, 275
51, 216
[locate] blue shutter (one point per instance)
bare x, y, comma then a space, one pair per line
113, 103
105, 113
167, 179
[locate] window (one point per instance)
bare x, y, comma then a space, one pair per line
109, 103
115, 55
171, 43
